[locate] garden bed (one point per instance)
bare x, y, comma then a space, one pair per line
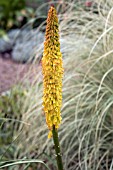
13, 72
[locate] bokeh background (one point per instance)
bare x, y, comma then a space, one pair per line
86, 38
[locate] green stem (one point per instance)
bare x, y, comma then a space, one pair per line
57, 148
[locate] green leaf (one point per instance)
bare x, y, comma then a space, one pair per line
2, 33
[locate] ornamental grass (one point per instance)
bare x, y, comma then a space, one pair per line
86, 133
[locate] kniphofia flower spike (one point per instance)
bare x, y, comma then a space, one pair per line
52, 72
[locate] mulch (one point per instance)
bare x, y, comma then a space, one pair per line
12, 72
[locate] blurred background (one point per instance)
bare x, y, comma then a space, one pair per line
86, 39
22, 27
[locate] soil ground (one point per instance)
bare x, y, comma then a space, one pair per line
12, 72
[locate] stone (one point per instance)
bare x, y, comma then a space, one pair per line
7, 42
28, 44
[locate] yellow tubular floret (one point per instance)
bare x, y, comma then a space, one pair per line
52, 72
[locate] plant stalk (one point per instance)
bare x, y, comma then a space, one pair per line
57, 148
